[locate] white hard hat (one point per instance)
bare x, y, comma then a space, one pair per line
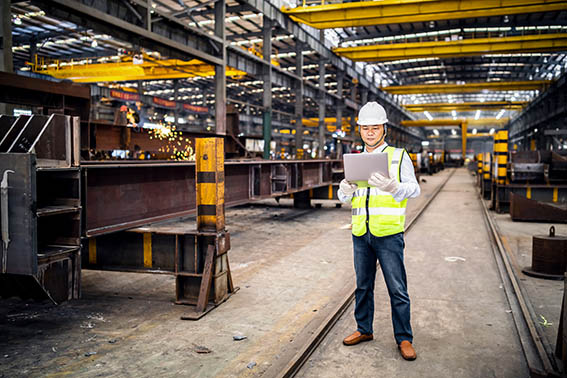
372, 114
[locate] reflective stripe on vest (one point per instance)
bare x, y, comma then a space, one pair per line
385, 216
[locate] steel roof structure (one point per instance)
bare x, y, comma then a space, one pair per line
52, 30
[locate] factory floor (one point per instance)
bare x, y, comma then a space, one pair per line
292, 266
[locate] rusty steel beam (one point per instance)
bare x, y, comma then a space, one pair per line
120, 196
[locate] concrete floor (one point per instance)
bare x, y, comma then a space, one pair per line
460, 318
544, 296
289, 264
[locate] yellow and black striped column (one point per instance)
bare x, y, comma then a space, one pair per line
486, 166
501, 156
209, 156
479, 169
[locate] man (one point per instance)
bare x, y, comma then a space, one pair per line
378, 217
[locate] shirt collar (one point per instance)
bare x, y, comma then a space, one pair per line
382, 148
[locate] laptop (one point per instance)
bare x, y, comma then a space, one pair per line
359, 167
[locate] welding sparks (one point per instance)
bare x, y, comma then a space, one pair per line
178, 146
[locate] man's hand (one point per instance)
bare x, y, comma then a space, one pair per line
347, 188
383, 183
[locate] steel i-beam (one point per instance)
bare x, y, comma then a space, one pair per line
469, 87
369, 13
455, 49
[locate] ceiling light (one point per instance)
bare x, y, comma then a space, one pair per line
94, 43
506, 19
429, 117
435, 131
453, 113
477, 115
491, 131
17, 21
453, 131
474, 131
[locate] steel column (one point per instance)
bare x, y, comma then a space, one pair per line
340, 101
6, 63
267, 85
322, 105
299, 100
220, 69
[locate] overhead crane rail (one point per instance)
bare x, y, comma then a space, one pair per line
466, 106
454, 122
538, 85
369, 13
455, 49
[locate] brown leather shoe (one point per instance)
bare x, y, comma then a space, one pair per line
407, 351
356, 338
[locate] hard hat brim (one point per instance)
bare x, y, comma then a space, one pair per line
372, 121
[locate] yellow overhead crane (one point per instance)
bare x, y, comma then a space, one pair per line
466, 106
369, 13
127, 68
454, 49
468, 87
456, 122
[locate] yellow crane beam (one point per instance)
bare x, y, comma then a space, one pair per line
455, 122
91, 70
466, 106
455, 49
468, 87
369, 13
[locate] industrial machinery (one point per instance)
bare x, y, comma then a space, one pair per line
536, 175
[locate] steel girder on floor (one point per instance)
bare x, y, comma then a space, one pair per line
368, 13
500, 194
469, 87
455, 49
120, 196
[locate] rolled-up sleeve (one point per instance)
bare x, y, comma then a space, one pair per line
409, 187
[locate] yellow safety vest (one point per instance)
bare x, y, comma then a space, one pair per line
378, 209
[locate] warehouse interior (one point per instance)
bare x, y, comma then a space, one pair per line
169, 176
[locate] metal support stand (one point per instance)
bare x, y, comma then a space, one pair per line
215, 277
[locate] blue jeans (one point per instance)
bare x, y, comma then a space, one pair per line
389, 251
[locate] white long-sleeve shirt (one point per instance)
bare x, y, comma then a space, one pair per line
408, 188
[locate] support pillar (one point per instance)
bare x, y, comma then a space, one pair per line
176, 98
322, 106
149, 15
6, 58
364, 95
299, 100
464, 139
340, 102
7, 61
267, 87
220, 70
354, 111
